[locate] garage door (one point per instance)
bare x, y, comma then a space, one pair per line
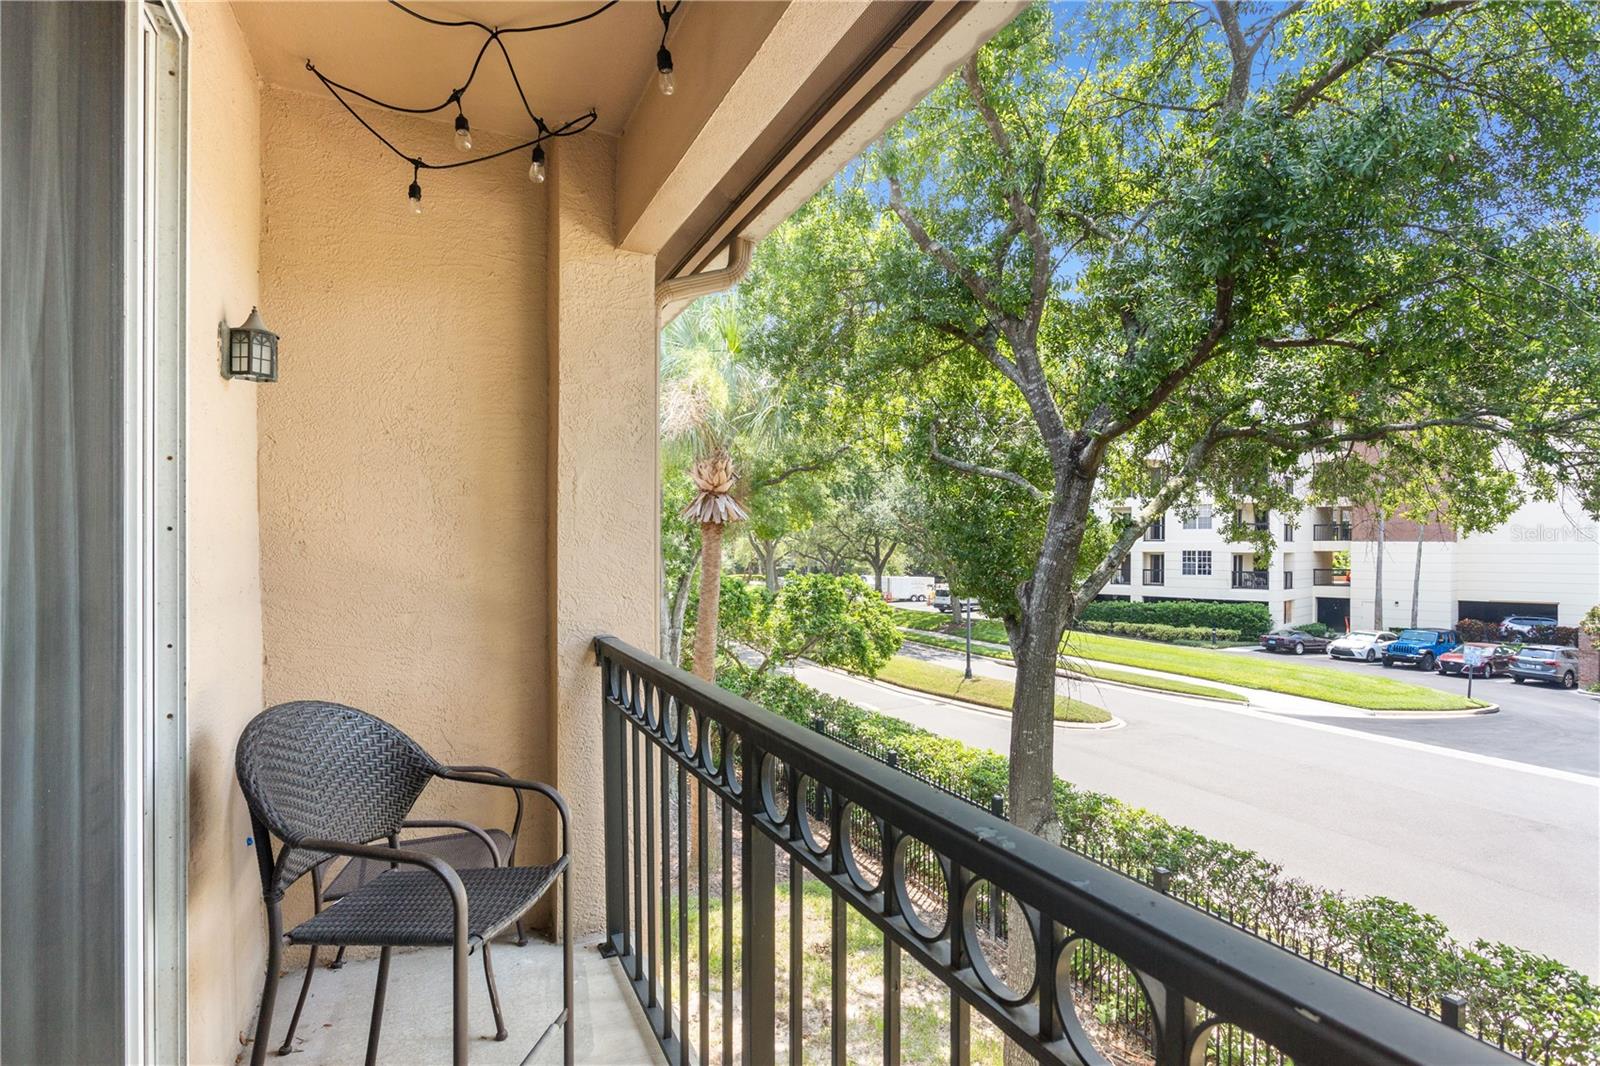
1499, 611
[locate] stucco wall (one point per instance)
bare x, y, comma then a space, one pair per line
402, 451
226, 944
604, 515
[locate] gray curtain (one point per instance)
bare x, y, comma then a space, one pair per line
61, 556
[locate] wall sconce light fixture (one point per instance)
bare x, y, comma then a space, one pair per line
252, 351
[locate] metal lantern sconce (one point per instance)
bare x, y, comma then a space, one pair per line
252, 351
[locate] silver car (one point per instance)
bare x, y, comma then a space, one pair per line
1364, 644
1548, 663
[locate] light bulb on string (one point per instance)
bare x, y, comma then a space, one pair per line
665, 79
536, 165
414, 194
463, 133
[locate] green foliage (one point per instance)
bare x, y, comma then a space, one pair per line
989, 691
1248, 620
1164, 633
1539, 1006
1315, 629
833, 621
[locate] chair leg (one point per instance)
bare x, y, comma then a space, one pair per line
300, 1004
567, 1029
377, 1008
338, 959
269, 988
494, 996
458, 1011
522, 938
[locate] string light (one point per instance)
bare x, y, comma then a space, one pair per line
493, 37
666, 81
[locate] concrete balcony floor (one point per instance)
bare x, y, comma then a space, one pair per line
610, 1026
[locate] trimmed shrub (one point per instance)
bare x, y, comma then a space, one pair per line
1315, 629
1166, 634
1473, 629
1540, 1008
1250, 620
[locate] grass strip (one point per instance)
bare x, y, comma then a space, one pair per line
1093, 673
943, 681
1271, 674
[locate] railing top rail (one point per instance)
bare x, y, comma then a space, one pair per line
1311, 1013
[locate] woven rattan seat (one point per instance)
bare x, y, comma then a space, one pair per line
462, 851
412, 907
329, 783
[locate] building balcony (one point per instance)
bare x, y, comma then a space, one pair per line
1121, 577
1331, 531
1152, 577
721, 816
1251, 579
1331, 577
1288, 579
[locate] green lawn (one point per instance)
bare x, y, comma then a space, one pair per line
1094, 673
942, 681
1270, 673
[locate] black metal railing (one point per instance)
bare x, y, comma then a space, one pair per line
1251, 579
1153, 577
1121, 577
1338, 575
814, 837
1331, 531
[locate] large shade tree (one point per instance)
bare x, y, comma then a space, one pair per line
1152, 250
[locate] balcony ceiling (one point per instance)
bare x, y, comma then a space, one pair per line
605, 63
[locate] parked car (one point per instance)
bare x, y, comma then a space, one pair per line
1493, 659
1521, 625
1364, 644
1420, 647
1288, 638
941, 598
1548, 663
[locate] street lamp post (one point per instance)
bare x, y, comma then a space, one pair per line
966, 605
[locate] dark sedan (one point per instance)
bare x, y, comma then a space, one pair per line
1288, 638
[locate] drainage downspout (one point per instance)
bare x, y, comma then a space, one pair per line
682, 291
694, 286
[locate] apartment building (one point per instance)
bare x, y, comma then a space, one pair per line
1544, 560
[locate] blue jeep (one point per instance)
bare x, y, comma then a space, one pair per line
1420, 647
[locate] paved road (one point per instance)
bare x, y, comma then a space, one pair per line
1540, 724
1499, 848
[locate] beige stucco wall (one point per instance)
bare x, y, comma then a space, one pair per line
402, 452
226, 945
604, 514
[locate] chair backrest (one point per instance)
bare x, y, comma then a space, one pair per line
313, 770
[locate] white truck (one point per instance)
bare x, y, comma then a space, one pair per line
906, 587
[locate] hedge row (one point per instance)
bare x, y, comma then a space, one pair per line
1249, 619
1541, 1008
1168, 634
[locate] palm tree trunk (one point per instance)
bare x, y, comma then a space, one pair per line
1377, 579
705, 620
1416, 576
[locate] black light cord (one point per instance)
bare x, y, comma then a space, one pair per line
338, 90
666, 14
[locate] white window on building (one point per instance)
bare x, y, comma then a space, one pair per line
1200, 519
1197, 563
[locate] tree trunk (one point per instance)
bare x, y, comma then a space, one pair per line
769, 566
1377, 579
1416, 576
675, 610
705, 619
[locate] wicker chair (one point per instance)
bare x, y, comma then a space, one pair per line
327, 780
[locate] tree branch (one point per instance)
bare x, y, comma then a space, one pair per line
1008, 476
1348, 62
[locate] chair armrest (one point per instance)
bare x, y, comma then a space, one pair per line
478, 775
466, 827
516, 825
438, 867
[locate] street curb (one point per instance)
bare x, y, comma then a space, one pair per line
1493, 708
1115, 723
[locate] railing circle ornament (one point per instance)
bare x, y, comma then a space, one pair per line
816, 832
775, 788
668, 713
1077, 1034
980, 934
914, 888
689, 738
861, 847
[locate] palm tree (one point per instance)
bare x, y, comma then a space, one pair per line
717, 412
